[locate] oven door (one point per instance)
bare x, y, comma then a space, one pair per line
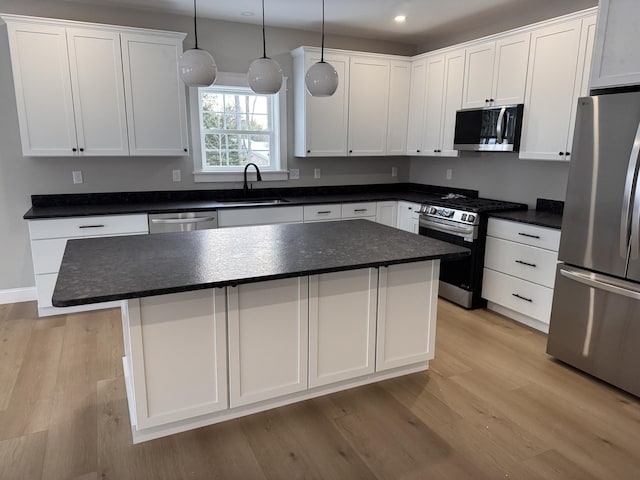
457, 277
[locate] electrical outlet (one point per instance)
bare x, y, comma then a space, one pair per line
316, 173
449, 174
294, 174
177, 176
394, 171
77, 176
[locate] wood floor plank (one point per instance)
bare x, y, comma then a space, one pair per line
29, 408
14, 338
22, 457
110, 349
550, 465
71, 443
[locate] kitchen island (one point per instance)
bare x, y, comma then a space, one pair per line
223, 323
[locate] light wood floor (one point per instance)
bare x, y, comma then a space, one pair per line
493, 405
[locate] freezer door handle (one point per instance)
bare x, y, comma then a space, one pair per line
635, 216
626, 220
598, 282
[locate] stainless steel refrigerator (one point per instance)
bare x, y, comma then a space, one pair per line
595, 317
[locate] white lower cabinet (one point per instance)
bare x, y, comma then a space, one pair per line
520, 267
268, 329
407, 301
177, 354
408, 216
342, 325
387, 213
242, 217
202, 357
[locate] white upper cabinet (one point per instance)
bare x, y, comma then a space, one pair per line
368, 105
616, 60
399, 82
558, 63
78, 93
320, 122
155, 95
433, 109
496, 72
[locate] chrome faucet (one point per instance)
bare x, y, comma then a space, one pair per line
258, 177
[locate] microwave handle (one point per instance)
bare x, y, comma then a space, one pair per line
499, 124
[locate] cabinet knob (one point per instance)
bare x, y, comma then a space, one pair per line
486, 100
81, 149
186, 150
74, 149
418, 151
350, 151
567, 153
308, 151
491, 100
560, 153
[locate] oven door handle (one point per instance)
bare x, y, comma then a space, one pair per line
440, 227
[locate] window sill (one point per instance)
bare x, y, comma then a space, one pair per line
269, 176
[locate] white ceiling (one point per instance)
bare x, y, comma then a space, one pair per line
366, 18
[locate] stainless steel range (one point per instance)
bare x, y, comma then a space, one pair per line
462, 221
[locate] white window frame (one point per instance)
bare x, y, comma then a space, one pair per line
225, 79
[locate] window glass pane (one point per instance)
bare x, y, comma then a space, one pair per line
215, 158
211, 102
212, 121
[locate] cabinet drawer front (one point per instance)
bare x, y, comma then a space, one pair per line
259, 216
534, 235
357, 210
525, 297
523, 261
313, 213
99, 226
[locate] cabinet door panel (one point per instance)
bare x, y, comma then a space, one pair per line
268, 339
342, 324
510, 69
98, 91
407, 302
452, 102
417, 92
550, 96
327, 117
433, 105
155, 95
478, 75
400, 79
43, 89
178, 350
368, 105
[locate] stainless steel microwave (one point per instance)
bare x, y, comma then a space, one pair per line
494, 129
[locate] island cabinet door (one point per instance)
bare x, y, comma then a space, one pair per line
342, 325
177, 356
407, 302
268, 339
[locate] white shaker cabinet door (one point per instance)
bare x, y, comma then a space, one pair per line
155, 95
433, 104
268, 339
417, 92
399, 81
177, 353
342, 325
478, 79
368, 105
98, 92
452, 100
43, 89
407, 303
510, 69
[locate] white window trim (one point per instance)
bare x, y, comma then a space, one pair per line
235, 80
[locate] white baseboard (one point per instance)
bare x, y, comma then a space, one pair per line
17, 295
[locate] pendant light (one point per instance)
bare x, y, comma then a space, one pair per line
321, 79
264, 75
197, 67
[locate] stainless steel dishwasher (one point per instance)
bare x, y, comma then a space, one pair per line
182, 221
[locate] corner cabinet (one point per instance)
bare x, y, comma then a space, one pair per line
616, 61
366, 116
559, 65
90, 103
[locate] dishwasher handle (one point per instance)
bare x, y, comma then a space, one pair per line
183, 221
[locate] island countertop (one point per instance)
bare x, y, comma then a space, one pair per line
118, 268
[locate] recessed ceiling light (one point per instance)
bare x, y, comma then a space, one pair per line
247, 14
400, 18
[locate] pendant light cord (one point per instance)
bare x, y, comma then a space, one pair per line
322, 47
195, 24
264, 39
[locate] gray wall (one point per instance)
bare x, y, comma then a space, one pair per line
233, 46
495, 175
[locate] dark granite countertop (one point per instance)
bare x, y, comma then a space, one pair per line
79, 205
548, 213
116, 268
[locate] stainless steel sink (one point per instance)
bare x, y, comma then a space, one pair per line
254, 201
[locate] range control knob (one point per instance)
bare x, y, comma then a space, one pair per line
471, 218
432, 210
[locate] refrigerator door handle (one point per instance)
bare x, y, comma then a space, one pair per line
635, 215
598, 282
625, 220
